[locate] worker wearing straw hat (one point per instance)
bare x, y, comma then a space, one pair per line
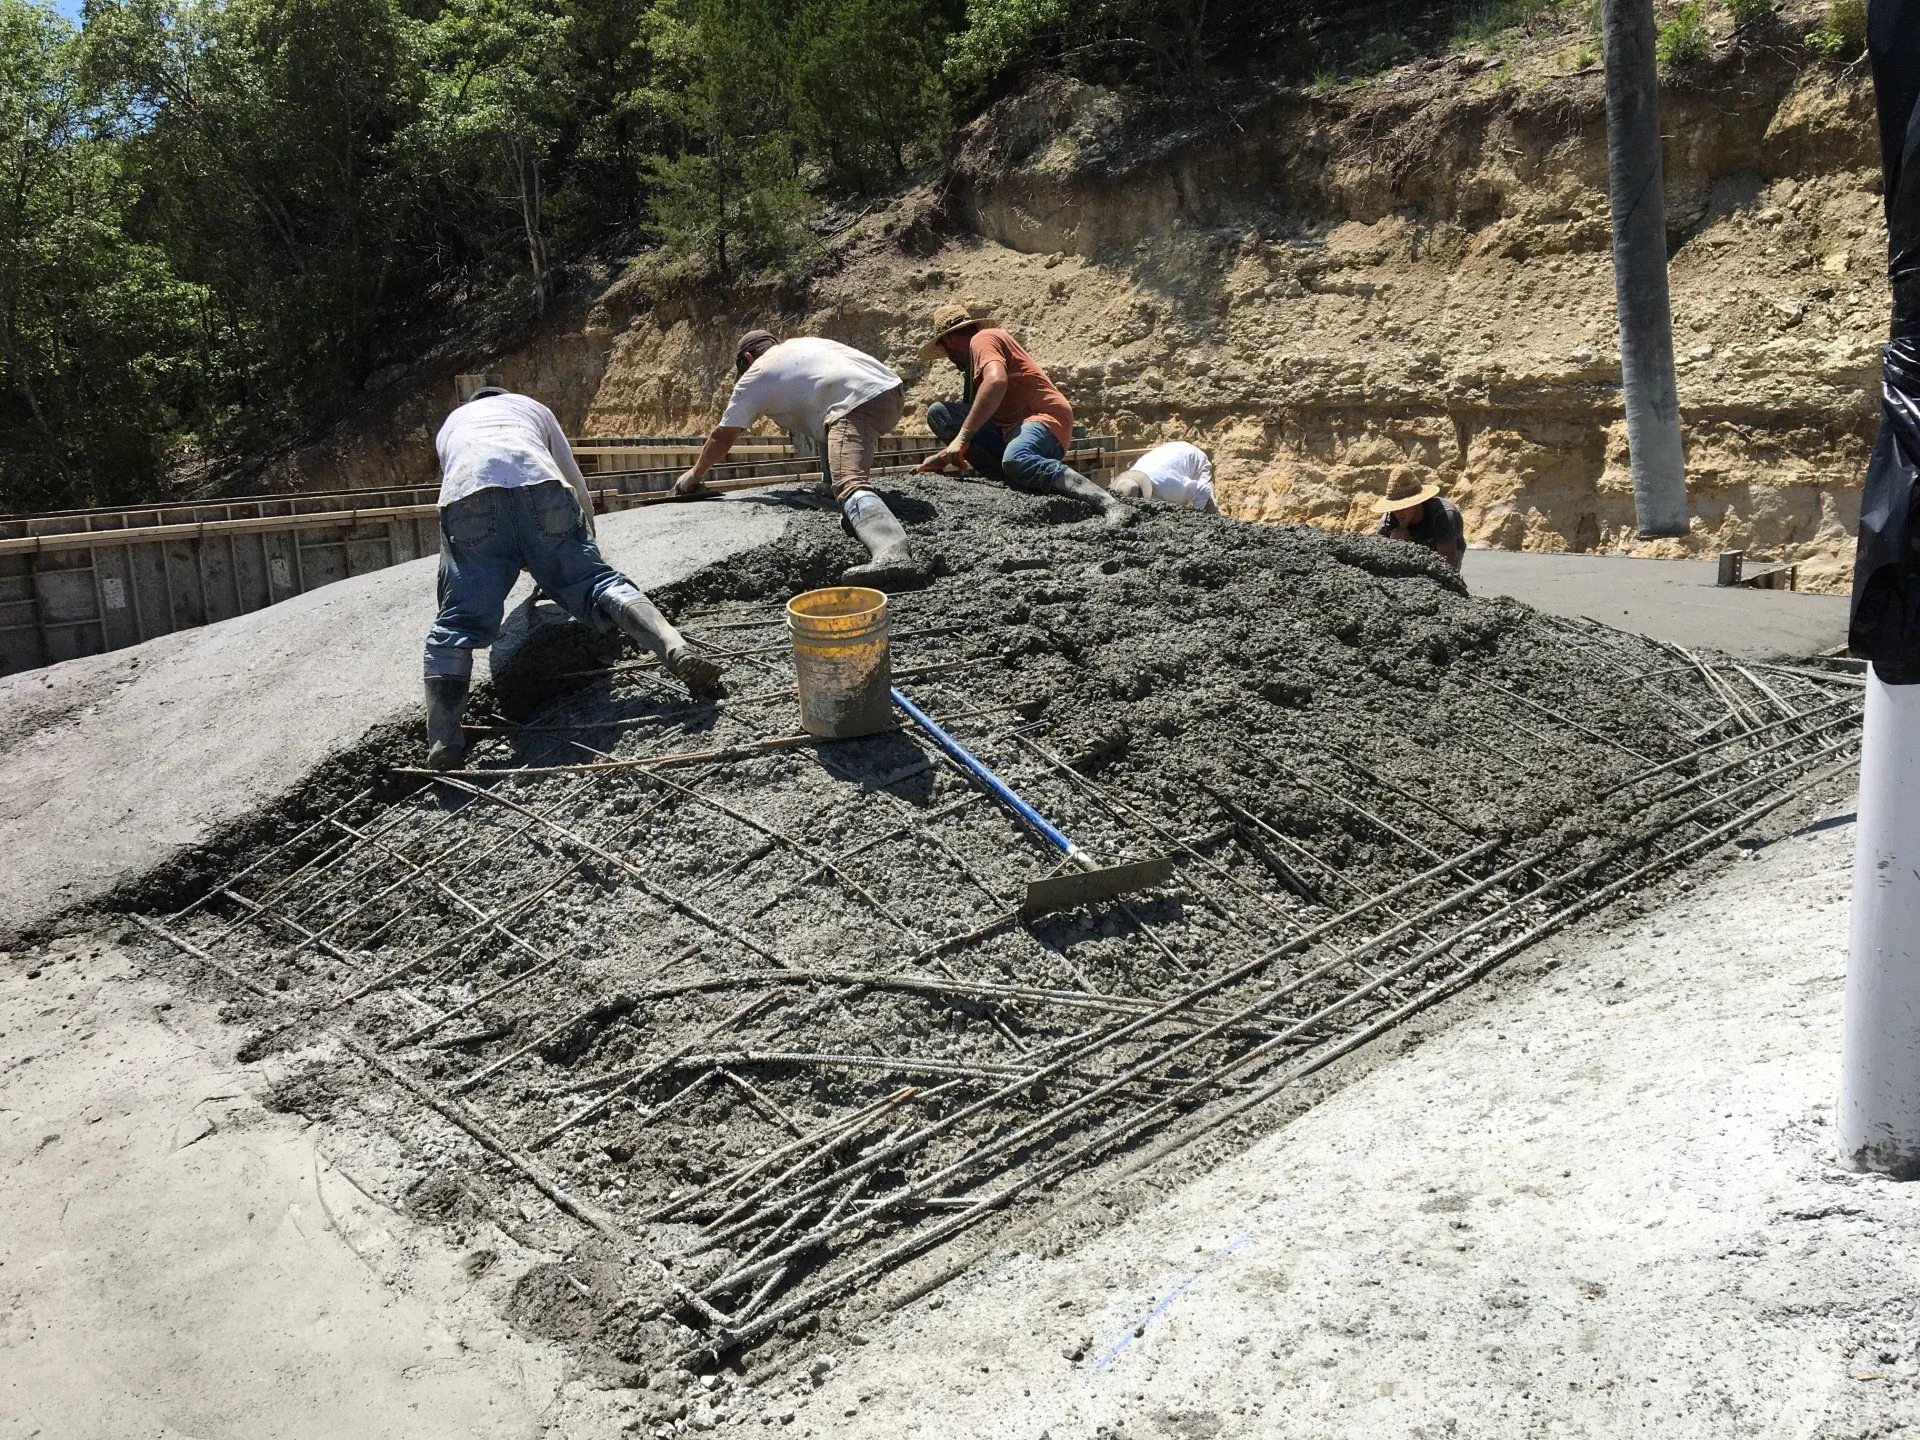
1013, 423
843, 400
1411, 510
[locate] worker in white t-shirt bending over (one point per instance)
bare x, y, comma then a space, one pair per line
512, 498
1178, 473
844, 400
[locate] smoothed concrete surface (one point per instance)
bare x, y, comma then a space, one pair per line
1605, 1205
111, 763
1675, 601
178, 1263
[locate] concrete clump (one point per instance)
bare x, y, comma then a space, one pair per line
756, 1012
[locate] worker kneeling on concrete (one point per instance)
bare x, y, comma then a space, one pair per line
1013, 424
512, 498
1420, 513
844, 400
1175, 473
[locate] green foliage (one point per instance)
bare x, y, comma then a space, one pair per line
99, 340
495, 78
1177, 44
730, 200
1683, 40
1750, 12
867, 95
1489, 21
1843, 31
220, 217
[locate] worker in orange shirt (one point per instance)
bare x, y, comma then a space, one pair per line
1013, 424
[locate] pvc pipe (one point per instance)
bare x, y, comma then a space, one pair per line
1001, 790
1879, 1117
1636, 193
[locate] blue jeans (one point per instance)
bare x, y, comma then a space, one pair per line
1033, 460
486, 539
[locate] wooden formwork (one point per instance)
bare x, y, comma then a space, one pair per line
80, 582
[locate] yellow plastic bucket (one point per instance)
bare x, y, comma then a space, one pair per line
840, 656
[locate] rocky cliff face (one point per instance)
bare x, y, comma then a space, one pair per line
1415, 273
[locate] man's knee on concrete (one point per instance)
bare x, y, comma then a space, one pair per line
1027, 467
944, 419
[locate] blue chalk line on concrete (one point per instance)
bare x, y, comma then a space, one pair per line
1133, 1331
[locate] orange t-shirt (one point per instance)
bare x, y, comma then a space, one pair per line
1030, 394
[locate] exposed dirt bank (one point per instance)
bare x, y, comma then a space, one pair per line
1415, 273
1323, 286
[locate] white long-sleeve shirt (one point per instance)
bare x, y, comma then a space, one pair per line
506, 441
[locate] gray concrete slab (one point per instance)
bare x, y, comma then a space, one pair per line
1675, 601
111, 763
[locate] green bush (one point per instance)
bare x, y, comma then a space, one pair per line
1750, 12
1683, 39
1843, 33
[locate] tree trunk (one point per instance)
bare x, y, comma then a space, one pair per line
526, 171
1640, 270
720, 206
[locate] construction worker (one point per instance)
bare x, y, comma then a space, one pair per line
1177, 473
512, 498
842, 399
1413, 511
1014, 424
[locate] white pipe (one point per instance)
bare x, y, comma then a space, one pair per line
1879, 1119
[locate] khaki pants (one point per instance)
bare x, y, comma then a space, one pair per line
853, 442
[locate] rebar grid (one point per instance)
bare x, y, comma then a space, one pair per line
1052, 1049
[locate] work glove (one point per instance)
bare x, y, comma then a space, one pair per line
691, 486
951, 460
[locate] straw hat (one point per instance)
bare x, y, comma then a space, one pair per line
947, 319
1131, 479
1404, 491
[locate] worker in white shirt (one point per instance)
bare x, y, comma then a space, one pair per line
844, 400
512, 498
1176, 472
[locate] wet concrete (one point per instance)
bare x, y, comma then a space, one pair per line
112, 763
1675, 601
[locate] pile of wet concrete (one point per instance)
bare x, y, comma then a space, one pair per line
765, 1009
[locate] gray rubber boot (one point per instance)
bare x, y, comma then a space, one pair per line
636, 616
1115, 510
446, 702
879, 529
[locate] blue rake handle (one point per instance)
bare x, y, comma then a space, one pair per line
1001, 790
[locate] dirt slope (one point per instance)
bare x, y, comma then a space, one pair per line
1416, 274
1324, 285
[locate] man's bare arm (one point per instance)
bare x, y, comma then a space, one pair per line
986, 400
562, 453
719, 443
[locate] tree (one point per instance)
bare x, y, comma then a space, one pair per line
497, 76
99, 341
266, 135
867, 89
732, 199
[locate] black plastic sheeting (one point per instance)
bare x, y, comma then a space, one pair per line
1885, 625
